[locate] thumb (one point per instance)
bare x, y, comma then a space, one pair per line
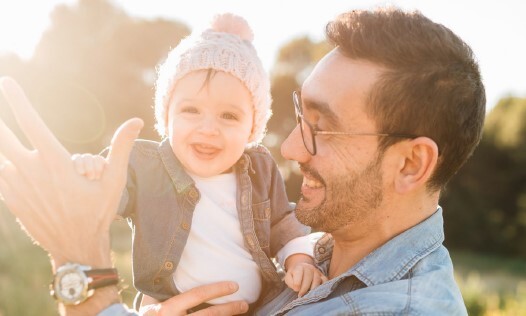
121, 146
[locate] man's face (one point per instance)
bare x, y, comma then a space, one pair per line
342, 183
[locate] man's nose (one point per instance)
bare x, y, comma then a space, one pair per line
293, 148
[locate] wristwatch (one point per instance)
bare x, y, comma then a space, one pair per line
74, 283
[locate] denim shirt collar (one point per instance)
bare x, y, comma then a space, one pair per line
379, 267
182, 181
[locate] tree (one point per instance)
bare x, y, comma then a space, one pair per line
486, 202
95, 67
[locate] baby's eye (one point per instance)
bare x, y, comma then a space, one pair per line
189, 109
229, 116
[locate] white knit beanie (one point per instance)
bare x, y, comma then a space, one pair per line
225, 46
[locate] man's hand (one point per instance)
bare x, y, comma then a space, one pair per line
178, 305
65, 213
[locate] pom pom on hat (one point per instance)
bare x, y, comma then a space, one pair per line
233, 24
226, 45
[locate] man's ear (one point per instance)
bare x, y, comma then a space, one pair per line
417, 162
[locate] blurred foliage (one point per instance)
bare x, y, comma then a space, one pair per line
491, 285
93, 68
485, 204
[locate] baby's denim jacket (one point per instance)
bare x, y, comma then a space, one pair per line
159, 200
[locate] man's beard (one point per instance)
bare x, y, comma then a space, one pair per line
348, 198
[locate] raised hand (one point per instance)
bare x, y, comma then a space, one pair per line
65, 213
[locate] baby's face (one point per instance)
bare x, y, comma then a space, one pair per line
209, 123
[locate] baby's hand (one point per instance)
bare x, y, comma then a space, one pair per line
304, 277
88, 165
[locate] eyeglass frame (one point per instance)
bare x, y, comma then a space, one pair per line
296, 99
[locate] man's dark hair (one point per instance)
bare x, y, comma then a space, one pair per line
431, 85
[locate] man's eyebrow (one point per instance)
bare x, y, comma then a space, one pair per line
323, 109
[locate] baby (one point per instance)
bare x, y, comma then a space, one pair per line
208, 203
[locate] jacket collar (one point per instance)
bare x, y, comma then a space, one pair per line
394, 259
181, 180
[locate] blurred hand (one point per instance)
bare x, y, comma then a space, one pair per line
178, 305
65, 213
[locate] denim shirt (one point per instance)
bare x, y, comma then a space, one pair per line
159, 200
412, 274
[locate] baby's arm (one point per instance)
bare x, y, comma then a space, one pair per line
301, 272
88, 165
302, 275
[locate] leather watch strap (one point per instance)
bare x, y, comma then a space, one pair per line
102, 277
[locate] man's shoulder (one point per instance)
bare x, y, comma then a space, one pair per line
428, 288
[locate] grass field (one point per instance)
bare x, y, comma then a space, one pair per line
490, 285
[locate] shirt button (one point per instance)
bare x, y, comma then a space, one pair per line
157, 281
321, 250
168, 265
244, 198
267, 212
194, 195
185, 225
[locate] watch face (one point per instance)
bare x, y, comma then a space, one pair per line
71, 286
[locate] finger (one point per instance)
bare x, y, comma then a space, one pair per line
316, 281
89, 164
305, 283
99, 164
297, 276
10, 146
78, 164
9, 182
289, 280
232, 308
198, 295
28, 119
121, 146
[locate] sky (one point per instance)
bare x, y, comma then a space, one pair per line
495, 30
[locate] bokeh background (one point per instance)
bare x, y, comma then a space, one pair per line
93, 63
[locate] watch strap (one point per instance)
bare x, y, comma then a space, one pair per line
102, 277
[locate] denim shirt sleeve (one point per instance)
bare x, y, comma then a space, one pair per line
117, 310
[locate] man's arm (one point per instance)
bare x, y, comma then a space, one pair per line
68, 215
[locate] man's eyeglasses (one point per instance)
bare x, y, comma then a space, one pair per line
309, 133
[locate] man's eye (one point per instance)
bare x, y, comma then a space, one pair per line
229, 116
